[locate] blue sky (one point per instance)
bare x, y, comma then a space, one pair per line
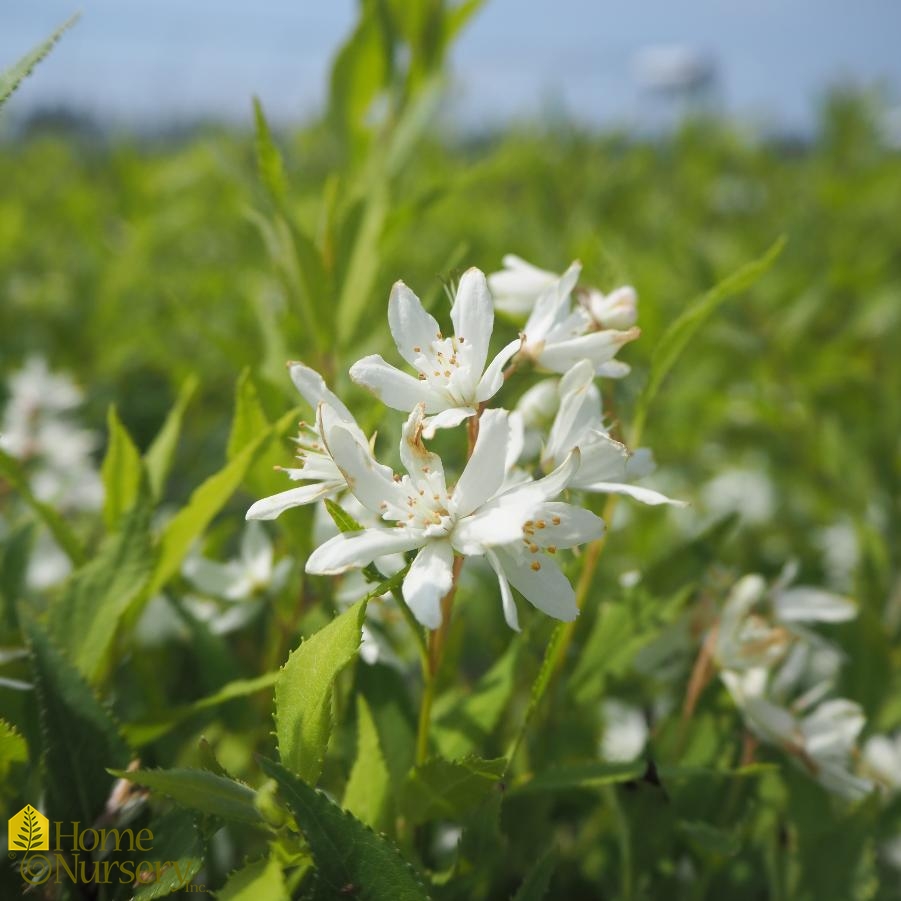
176, 59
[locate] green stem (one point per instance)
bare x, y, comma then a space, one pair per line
425, 715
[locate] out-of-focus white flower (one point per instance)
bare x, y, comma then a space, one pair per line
316, 466
882, 761
518, 530
840, 551
48, 564
747, 492
822, 742
625, 731
618, 309
37, 428
452, 379
518, 285
556, 336
254, 572
607, 466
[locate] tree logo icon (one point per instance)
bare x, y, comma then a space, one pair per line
29, 830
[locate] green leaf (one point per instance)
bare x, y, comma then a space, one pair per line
711, 839
15, 553
200, 790
159, 456
259, 880
342, 519
122, 471
250, 420
65, 537
206, 501
463, 722
580, 776
13, 749
359, 279
368, 791
84, 620
79, 735
178, 848
538, 880
13, 77
303, 693
269, 160
144, 732
677, 336
350, 858
448, 789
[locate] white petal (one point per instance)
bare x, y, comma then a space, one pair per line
256, 553
271, 507
473, 316
803, 604
355, 549
394, 388
516, 440
430, 578
833, 727
644, 495
484, 472
613, 369
579, 412
371, 483
216, 579
423, 465
547, 488
411, 326
545, 588
603, 460
313, 389
493, 378
597, 348
446, 419
552, 306
493, 525
509, 605
518, 286
562, 525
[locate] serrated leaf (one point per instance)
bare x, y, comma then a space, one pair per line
269, 160
350, 858
79, 735
303, 692
178, 845
84, 620
12, 471
14, 76
447, 789
259, 880
675, 339
580, 776
463, 722
159, 456
368, 789
538, 880
199, 790
122, 471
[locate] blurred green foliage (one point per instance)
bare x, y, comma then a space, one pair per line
140, 266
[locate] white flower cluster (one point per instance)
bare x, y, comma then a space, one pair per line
780, 673
38, 429
496, 508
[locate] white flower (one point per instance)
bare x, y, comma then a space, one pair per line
452, 380
748, 492
823, 742
37, 428
316, 466
253, 572
618, 309
625, 731
556, 336
518, 530
882, 760
607, 466
518, 285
